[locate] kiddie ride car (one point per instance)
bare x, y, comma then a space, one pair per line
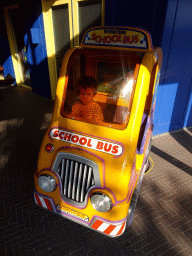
95, 152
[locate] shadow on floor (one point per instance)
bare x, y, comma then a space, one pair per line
177, 163
184, 138
24, 118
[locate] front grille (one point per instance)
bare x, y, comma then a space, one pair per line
77, 176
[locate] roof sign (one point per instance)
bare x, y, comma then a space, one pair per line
117, 37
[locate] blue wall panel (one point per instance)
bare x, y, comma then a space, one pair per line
188, 117
109, 9
148, 14
164, 107
36, 51
177, 69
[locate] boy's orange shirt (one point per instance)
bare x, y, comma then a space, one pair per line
91, 111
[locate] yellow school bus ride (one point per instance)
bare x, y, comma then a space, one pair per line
95, 152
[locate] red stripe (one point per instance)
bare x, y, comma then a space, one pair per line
121, 229
97, 224
48, 204
109, 229
38, 200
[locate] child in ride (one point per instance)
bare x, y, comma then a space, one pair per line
85, 108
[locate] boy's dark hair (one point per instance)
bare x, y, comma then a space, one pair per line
86, 82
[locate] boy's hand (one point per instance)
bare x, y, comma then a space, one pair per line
85, 113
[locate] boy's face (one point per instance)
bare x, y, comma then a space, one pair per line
86, 95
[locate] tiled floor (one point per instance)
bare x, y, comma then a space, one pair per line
162, 223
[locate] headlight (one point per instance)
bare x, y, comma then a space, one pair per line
101, 202
47, 183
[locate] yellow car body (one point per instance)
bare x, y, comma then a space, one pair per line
108, 159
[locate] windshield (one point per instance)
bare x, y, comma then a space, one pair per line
100, 86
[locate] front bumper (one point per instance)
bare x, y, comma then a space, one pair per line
109, 228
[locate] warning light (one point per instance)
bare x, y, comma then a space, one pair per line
49, 148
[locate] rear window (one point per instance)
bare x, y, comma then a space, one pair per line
100, 86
